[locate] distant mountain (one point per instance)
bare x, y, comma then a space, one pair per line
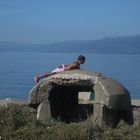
115, 45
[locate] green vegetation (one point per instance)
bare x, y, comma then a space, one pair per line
19, 123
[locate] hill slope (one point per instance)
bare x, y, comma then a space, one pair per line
119, 45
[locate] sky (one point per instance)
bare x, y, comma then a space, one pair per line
47, 21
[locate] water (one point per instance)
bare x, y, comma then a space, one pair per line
17, 70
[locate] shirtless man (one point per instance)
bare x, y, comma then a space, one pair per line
74, 65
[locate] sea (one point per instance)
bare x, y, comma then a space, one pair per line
17, 70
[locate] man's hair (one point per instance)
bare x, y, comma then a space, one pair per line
81, 57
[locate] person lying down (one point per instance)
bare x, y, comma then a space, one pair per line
64, 67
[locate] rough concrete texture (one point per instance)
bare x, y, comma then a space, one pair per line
109, 92
43, 111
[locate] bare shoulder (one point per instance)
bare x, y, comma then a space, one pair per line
70, 66
73, 64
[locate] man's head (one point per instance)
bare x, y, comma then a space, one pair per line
81, 59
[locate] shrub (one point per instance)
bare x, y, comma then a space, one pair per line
19, 123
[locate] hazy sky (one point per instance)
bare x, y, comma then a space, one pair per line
42, 21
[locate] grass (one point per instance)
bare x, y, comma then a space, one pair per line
19, 123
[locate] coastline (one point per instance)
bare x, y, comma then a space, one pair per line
135, 102
5, 102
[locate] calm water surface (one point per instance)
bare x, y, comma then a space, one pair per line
17, 70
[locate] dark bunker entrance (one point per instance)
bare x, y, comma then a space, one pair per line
65, 106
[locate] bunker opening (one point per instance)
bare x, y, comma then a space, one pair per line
65, 104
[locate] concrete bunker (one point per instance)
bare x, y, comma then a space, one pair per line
57, 97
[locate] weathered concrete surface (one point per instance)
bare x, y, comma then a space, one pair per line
43, 111
111, 93
62, 89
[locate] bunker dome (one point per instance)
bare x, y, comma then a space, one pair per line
57, 96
